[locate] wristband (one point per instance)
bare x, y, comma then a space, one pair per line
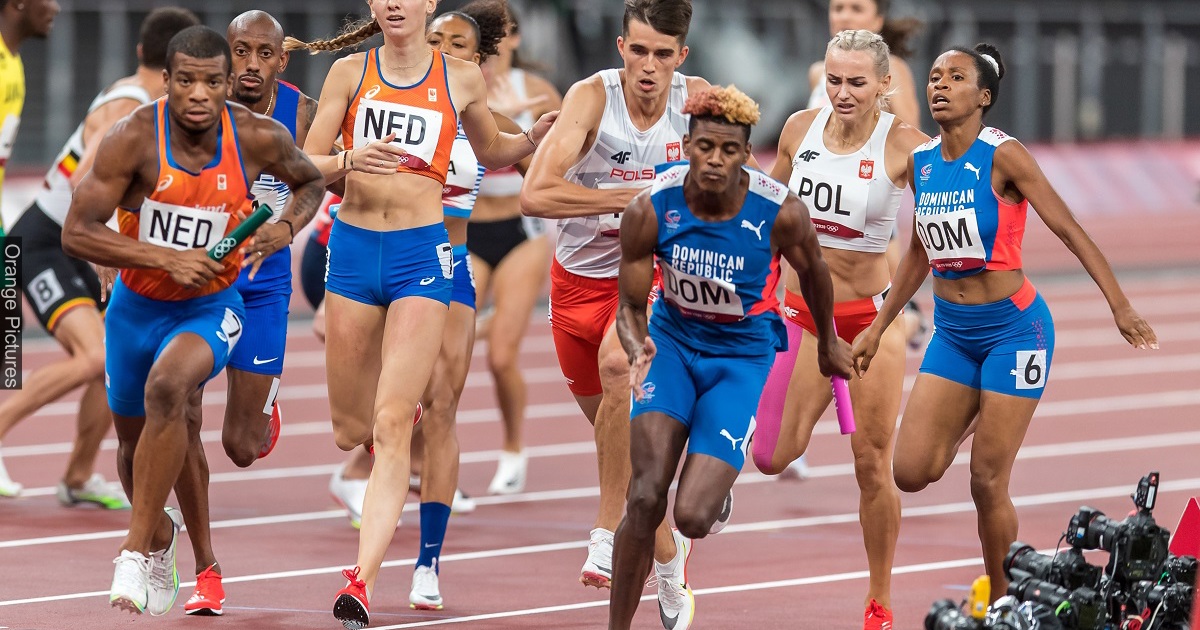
529, 136
291, 228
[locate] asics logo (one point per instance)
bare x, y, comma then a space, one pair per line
257, 362
757, 230
165, 183
427, 281
725, 434
372, 92
973, 169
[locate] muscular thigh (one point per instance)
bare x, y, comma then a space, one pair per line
938, 415
353, 342
876, 398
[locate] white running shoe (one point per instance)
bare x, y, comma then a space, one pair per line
676, 604
510, 474
96, 491
425, 594
797, 470
130, 585
724, 516
164, 575
597, 571
8, 487
351, 494
462, 503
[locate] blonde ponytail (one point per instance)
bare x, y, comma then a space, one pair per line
352, 35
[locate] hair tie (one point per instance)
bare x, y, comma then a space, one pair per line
988, 58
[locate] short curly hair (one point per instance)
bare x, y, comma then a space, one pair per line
727, 105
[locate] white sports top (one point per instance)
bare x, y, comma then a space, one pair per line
852, 201
621, 157
55, 194
506, 182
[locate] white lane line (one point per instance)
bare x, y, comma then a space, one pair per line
748, 477
915, 512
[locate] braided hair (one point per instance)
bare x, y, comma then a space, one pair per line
353, 35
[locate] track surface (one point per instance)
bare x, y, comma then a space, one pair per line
792, 557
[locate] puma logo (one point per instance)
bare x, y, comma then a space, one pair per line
973, 169
757, 230
725, 434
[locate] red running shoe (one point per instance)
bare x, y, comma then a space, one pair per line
273, 429
877, 617
350, 607
206, 600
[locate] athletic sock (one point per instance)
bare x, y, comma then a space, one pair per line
434, 517
769, 417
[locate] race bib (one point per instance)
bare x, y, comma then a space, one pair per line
701, 298
838, 207
181, 227
463, 170
951, 240
417, 130
1030, 371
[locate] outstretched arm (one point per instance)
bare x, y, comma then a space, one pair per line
639, 233
796, 240
546, 192
1017, 166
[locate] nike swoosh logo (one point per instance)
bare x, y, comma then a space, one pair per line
431, 545
456, 264
668, 622
257, 362
607, 570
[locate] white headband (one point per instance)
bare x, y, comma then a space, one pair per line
989, 59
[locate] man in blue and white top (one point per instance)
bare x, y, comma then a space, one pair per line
717, 229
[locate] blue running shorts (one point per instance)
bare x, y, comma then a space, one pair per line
715, 397
378, 268
464, 278
1004, 347
265, 336
138, 328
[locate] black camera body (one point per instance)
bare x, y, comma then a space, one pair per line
946, 615
1081, 608
1068, 568
1137, 545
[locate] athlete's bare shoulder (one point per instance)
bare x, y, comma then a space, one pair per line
348, 68
906, 136
255, 129
585, 99
798, 124
696, 84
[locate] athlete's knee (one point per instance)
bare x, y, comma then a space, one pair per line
393, 427
166, 395
614, 370
914, 478
239, 450
646, 504
871, 467
694, 519
501, 356
92, 361
350, 433
988, 485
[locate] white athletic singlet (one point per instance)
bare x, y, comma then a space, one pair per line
851, 199
55, 194
506, 182
621, 157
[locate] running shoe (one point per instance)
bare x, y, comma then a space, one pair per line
96, 491
274, 427
676, 604
350, 493
425, 594
164, 575
463, 503
876, 617
597, 571
206, 600
351, 607
510, 474
797, 470
724, 516
8, 487
130, 585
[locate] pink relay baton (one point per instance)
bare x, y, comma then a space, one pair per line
841, 401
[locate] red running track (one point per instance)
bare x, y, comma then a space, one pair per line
792, 557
